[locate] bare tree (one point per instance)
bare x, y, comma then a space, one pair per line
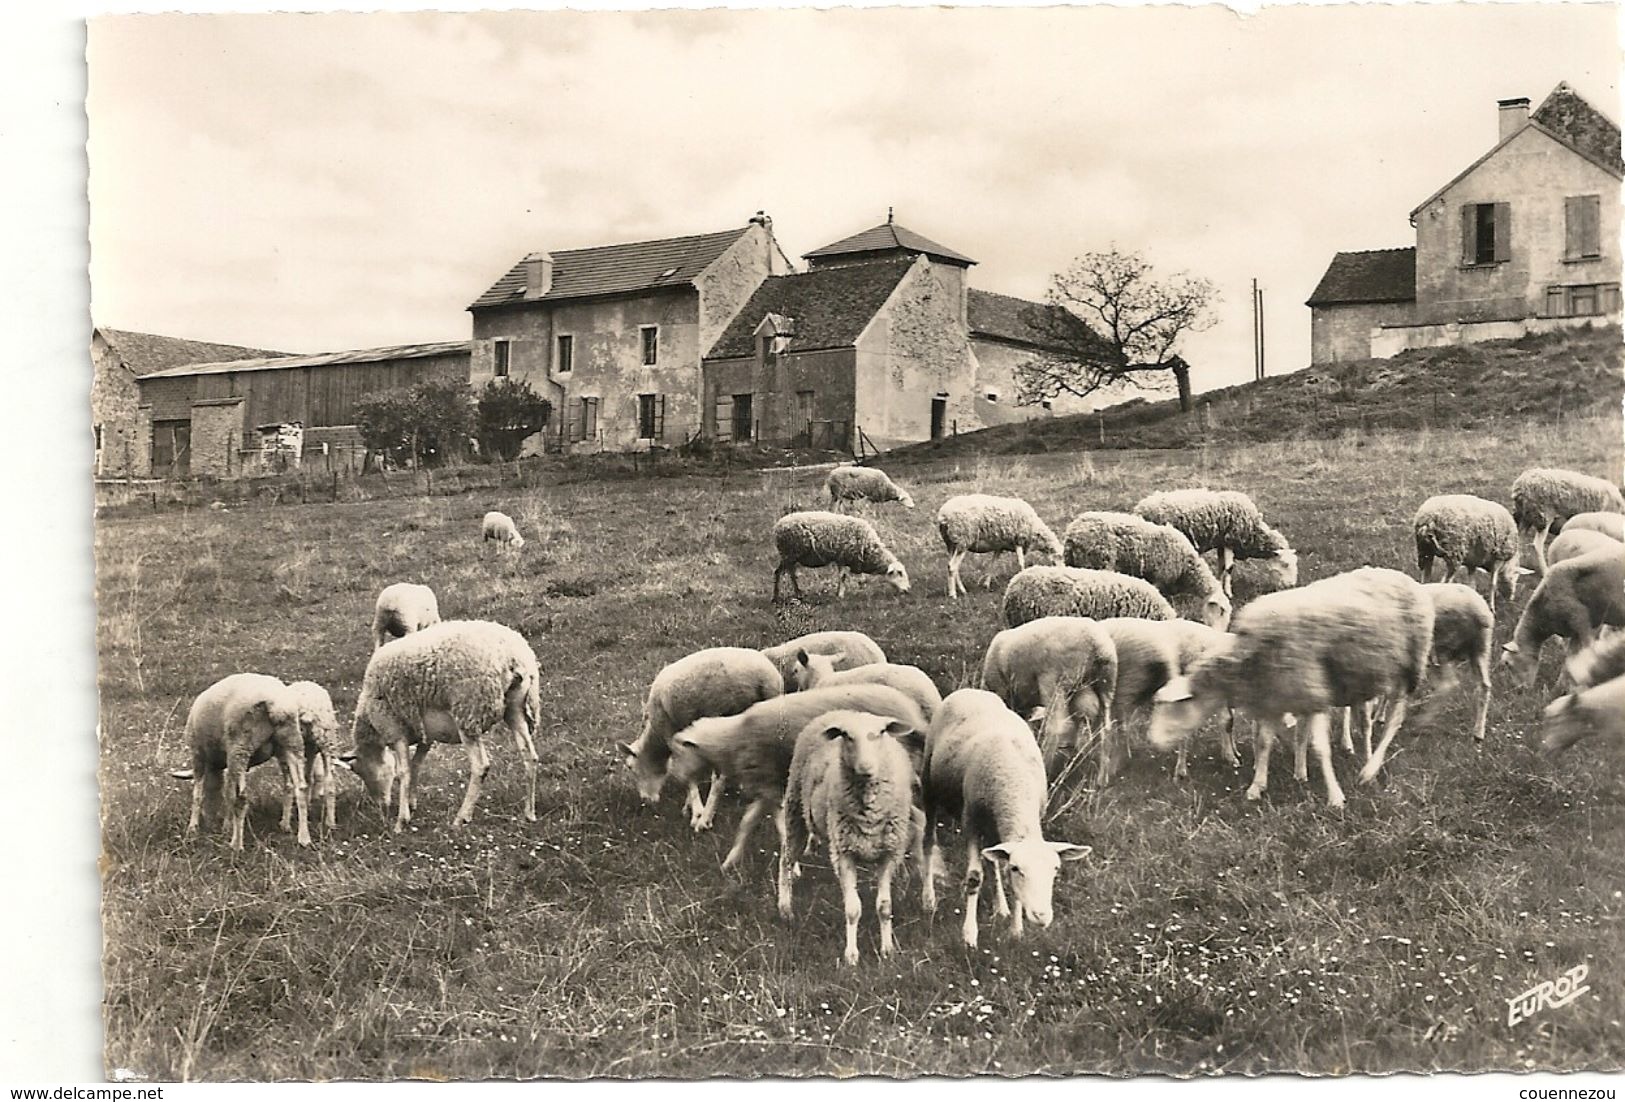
1116, 322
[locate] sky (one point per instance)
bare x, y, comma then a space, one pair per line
318, 182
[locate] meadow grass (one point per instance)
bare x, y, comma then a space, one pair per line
1205, 934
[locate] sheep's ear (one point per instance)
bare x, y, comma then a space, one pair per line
1176, 690
999, 854
1522, 571
181, 774
626, 748
1068, 851
834, 732
801, 657
345, 758
905, 733
1509, 647
1562, 704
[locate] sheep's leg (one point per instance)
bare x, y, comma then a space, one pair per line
1179, 762
1481, 717
955, 585
293, 767
199, 773
1348, 729
973, 886
840, 581
1300, 757
928, 860
1424, 566
1001, 904
1319, 728
1018, 920
992, 568
329, 797
527, 751
846, 871
237, 792
1262, 744
479, 763
1021, 558
418, 754
701, 814
747, 823
916, 848
1227, 559
1390, 727
778, 572
1541, 537
403, 812
1227, 740
792, 840
888, 869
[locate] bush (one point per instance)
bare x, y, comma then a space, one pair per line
509, 412
423, 425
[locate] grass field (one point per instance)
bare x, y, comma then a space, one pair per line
1204, 935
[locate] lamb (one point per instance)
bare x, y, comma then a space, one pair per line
403, 608
851, 782
982, 766
452, 682
319, 730
850, 482
1334, 643
1597, 710
1573, 600
238, 719
1226, 521
1158, 553
1544, 497
816, 539
1073, 591
753, 749
1462, 628
718, 681
985, 524
817, 671
1572, 543
1609, 524
848, 648
500, 527
1061, 667
1469, 533
1602, 661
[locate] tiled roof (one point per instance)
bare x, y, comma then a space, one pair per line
616, 269
146, 353
320, 359
1579, 125
886, 237
1037, 324
1380, 275
830, 306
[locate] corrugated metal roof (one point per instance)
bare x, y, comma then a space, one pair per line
147, 353
321, 359
886, 237
1378, 275
616, 269
829, 307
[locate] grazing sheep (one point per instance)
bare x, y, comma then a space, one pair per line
1147, 659
500, 527
1226, 521
238, 719
1609, 524
319, 728
1468, 533
1597, 710
402, 609
983, 767
1301, 652
852, 783
817, 671
1462, 630
1073, 591
753, 749
453, 682
985, 524
1195, 642
1544, 497
1064, 665
848, 648
1572, 543
1159, 553
815, 539
1573, 600
1602, 661
853, 483
718, 681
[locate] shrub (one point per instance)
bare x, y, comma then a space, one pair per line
509, 412
426, 424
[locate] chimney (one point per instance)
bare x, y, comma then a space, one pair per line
761, 219
1513, 115
538, 275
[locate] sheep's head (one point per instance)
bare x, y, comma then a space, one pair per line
1565, 724
1047, 542
375, 764
1283, 566
1032, 864
905, 497
1520, 663
870, 744
647, 765
811, 668
1510, 579
1179, 708
897, 576
1216, 610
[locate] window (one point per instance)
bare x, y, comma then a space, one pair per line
651, 343
991, 395
564, 362
499, 354
589, 418
651, 416
1486, 233
743, 420
1582, 300
1582, 227
98, 438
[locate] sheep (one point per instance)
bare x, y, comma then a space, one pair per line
1062, 668
718, 681
1469, 533
238, 719
817, 671
985, 524
1226, 521
1576, 597
982, 766
1159, 553
848, 648
1462, 628
1147, 659
1544, 497
452, 682
852, 783
850, 482
1337, 642
500, 527
403, 608
1194, 642
319, 730
1609, 524
1572, 543
1597, 710
1073, 591
1602, 661
816, 539
753, 749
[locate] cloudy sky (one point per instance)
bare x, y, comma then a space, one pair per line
313, 182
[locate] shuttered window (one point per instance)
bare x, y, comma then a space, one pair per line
1582, 227
1486, 233
651, 416
1580, 300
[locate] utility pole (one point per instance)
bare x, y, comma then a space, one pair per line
1258, 332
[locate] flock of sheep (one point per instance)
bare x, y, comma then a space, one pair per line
867, 758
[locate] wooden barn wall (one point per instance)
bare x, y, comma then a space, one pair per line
326, 395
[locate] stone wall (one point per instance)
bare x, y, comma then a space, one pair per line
217, 434
1341, 333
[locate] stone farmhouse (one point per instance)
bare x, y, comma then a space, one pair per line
1525, 238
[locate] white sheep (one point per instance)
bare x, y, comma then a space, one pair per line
1159, 553
1073, 591
1468, 533
817, 671
1147, 659
1602, 661
717, 681
1573, 600
985, 524
848, 648
456, 681
240, 720
319, 728
403, 608
1194, 642
752, 750
1225, 521
1571, 543
500, 527
1060, 668
1334, 643
1462, 629
1543, 498
982, 767
850, 482
851, 782
850, 544
1597, 710
1609, 524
